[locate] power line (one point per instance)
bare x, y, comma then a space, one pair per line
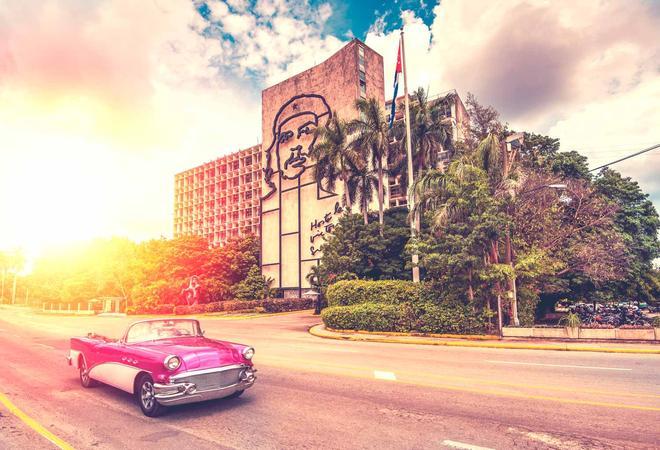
626, 157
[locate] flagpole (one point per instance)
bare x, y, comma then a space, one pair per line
411, 198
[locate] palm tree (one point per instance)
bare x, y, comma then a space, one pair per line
330, 153
361, 185
372, 139
317, 280
430, 134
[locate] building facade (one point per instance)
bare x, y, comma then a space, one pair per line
297, 213
270, 189
219, 199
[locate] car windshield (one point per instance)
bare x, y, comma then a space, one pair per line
162, 329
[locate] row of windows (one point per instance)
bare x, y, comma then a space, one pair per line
362, 77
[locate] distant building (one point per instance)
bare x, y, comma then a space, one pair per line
220, 198
455, 113
269, 190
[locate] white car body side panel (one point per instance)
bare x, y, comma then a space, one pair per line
74, 355
118, 375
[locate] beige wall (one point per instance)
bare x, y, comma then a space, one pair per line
296, 213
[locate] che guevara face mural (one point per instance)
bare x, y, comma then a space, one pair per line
294, 134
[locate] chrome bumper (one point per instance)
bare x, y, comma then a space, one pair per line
185, 392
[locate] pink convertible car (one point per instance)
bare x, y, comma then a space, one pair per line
164, 362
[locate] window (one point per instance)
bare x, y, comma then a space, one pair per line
361, 57
363, 84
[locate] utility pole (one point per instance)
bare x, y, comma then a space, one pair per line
414, 223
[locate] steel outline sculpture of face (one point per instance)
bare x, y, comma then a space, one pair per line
294, 134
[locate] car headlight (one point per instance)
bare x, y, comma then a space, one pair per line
248, 352
172, 362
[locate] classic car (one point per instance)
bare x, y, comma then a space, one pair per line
164, 362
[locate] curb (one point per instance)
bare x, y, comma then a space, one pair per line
229, 315
320, 331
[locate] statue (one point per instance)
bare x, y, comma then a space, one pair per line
191, 294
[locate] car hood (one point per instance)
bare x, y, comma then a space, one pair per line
197, 353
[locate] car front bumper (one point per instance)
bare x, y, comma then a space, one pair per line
179, 393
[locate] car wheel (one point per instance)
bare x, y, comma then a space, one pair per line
146, 398
85, 380
236, 394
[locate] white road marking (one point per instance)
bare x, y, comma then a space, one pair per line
558, 365
455, 444
383, 375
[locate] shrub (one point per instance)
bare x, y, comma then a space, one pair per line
287, 304
528, 301
150, 309
213, 307
455, 319
365, 316
182, 310
425, 318
656, 322
239, 305
353, 292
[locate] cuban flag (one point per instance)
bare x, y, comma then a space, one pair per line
396, 85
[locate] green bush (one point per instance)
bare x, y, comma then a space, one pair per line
240, 305
144, 309
528, 301
287, 304
365, 316
453, 319
424, 318
353, 292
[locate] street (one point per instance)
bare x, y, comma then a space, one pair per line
315, 393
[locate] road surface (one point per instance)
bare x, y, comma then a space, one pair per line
313, 393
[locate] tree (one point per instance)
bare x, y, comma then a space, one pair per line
638, 223
569, 165
430, 134
357, 249
361, 185
254, 287
372, 138
484, 120
331, 152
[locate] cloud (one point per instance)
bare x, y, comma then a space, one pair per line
101, 103
586, 72
274, 40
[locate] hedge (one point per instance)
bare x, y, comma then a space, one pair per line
353, 292
158, 309
424, 318
365, 316
269, 305
287, 304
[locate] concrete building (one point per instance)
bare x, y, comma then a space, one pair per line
454, 113
269, 189
219, 199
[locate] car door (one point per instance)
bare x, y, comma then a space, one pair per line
116, 365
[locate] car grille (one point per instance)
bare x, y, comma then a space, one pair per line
213, 380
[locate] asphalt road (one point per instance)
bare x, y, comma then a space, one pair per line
314, 393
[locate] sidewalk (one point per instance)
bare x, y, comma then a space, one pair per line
486, 342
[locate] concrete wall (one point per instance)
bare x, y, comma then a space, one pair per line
296, 214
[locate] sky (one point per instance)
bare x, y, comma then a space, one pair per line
102, 101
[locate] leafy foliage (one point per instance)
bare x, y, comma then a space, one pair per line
148, 274
356, 248
406, 317
352, 292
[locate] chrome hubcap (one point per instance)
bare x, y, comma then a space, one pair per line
83, 372
147, 395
